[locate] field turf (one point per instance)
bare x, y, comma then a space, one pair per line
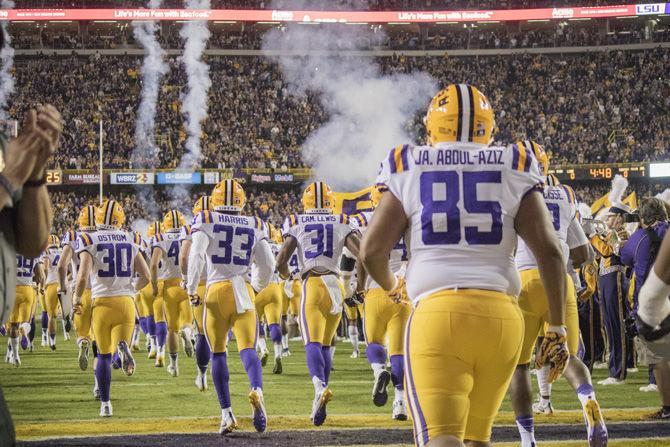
50, 397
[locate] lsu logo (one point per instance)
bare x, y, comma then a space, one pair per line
650, 8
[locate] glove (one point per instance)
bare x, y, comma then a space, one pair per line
195, 299
554, 351
350, 301
358, 297
76, 305
399, 293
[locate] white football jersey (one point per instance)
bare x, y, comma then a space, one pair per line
560, 200
25, 270
185, 235
113, 253
71, 238
51, 257
398, 255
232, 241
320, 238
169, 244
460, 200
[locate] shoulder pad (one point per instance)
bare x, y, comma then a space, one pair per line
570, 193
291, 220
259, 224
522, 158
397, 159
86, 240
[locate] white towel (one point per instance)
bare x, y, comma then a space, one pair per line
243, 301
334, 287
288, 288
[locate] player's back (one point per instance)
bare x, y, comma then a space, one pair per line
320, 240
562, 206
51, 258
113, 253
461, 200
169, 243
232, 239
24, 270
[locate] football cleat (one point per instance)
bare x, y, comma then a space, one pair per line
16, 360
83, 355
188, 344
96, 392
45, 341
354, 355
8, 354
228, 422
258, 414
611, 381
152, 352
127, 360
660, 414
106, 409
379, 393
116, 360
264, 357
67, 326
595, 425
321, 399
277, 369
173, 370
399, 410
651, 388
160, 361
541, 407
201, 381
285, 352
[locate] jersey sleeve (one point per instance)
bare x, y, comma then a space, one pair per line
185, 233
202, 222
84, 243
69, 238
290, 226
262, 230
524, 175
391, 170
155, 242
345, 227
359, 221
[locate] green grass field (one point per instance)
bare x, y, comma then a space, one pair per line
50, 396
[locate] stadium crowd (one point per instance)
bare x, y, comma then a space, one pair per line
580, 107
424, 37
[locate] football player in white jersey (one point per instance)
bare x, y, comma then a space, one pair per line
460, 204
178, 314
202, 351
562, 205
24, 305
384, 323
268, 304
51, 258
228, 243
110, 257
151, 307
319, 236
82, 320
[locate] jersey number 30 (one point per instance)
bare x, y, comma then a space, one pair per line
117, 258
440, 196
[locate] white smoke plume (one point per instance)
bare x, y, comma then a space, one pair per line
194, 103
619, 185
6, 63
368, 110
140, 225
153, 69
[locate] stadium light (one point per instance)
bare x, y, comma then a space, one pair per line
659, 170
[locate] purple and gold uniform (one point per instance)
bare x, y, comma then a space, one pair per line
465, 333
24, 304
81, 320
51, 258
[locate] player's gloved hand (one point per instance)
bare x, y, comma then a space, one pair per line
553, 351
350, 301
76, 305
359, 296
399, 292
195, 299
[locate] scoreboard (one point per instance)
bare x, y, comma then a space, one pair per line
600, 172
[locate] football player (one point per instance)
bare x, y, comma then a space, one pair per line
460, 204
319, 237
51, 258
202, 351
228, 243
353, 309
165, 248
384, 319
110, 257
561, 203
19, 319
148, 306
269, 308
82, 320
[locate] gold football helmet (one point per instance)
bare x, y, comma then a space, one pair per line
228, 195
203, 203
54, 241
173, 220
318, 199
275, 234
462, 113
540, 154
86, 218
110, 215
155, 228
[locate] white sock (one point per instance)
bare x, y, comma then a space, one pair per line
188, 332
277, 350
377, 368
318, 384
44, 332
543, 384
586, 395
527, 437
52, 340
226, 411
95, 382
62, 323
332, 354
15, 345
153, 343
262, 345
284, 341
353, 336
399, 395
136, 335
